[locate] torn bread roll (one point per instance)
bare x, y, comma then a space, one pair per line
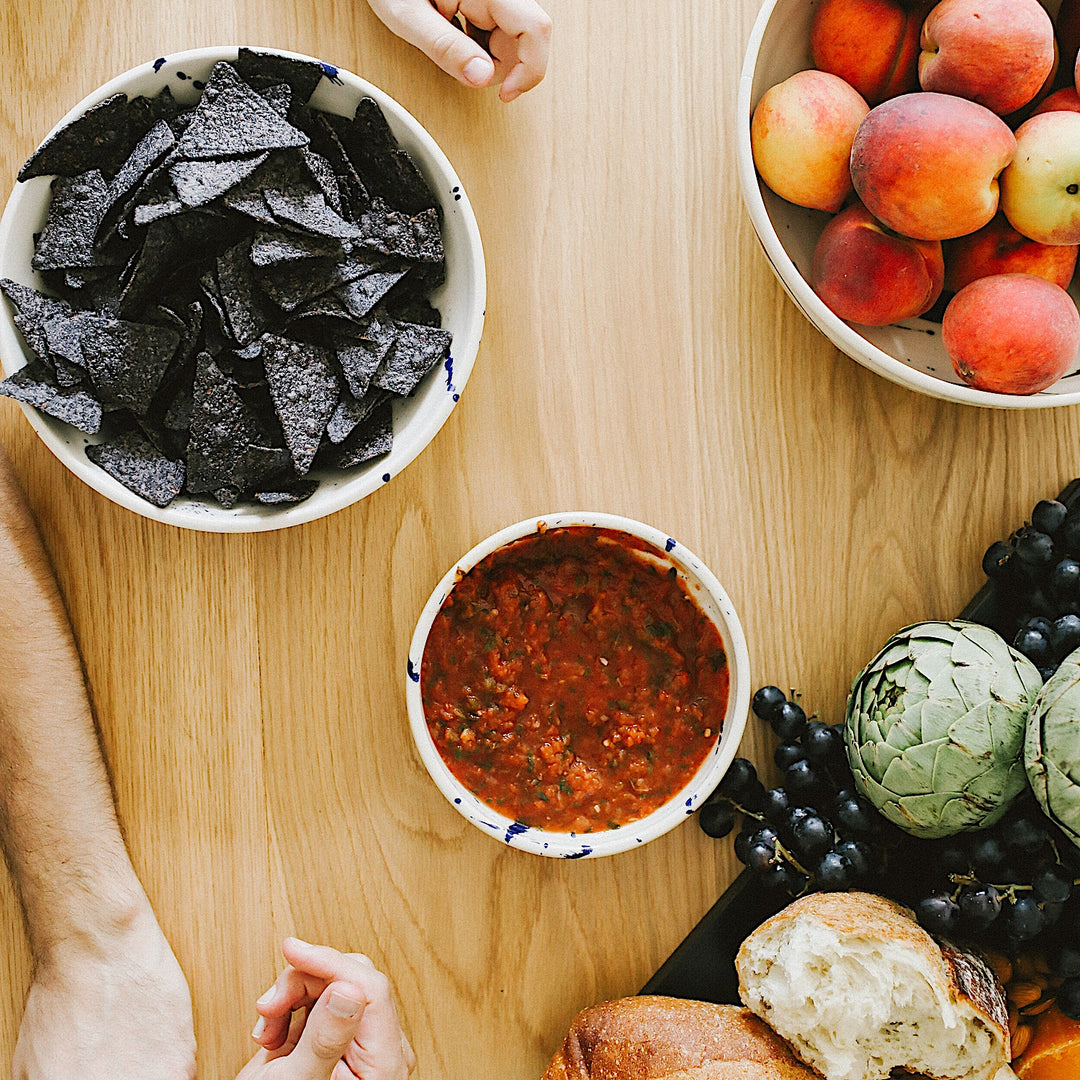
859, 989
662, 1038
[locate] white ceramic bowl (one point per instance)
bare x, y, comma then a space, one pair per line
909, 353
417, 419
713, 602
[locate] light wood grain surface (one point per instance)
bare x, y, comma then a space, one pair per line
638, 358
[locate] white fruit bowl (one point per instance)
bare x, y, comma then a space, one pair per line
910, 352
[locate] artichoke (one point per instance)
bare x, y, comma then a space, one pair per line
1052, 747
935, 727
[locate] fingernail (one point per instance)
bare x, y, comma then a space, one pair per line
478, 70
267, 997
257, 1030
344, 1007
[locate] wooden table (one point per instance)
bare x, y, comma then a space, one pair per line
638, 358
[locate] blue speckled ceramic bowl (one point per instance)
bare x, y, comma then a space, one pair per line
712, 600
417, 419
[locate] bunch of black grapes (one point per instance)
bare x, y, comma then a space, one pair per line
814, 832
1036, 575
1011, 886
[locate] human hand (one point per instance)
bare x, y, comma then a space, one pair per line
351, 1029
116, 1008
520, 36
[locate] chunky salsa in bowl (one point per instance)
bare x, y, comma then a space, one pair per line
577, 684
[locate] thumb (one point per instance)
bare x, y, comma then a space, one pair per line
441, 40
330, 1026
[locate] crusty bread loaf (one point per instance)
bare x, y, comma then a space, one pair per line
662, 1038
859, 989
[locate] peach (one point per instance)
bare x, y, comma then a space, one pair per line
1040, 190
927, 164
996, 52
998, 248
1064, 100
868, 274
1011, 333
801, 134
871, 44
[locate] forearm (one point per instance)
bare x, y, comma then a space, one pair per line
58, 827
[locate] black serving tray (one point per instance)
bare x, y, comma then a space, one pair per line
703, 965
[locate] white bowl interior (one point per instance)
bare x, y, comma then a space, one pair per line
713, 602
417, 419
910, 352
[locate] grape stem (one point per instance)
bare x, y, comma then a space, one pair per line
784, 853
1010, 891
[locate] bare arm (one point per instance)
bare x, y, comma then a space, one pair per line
103, 970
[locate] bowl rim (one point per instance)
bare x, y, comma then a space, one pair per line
840, 333
683, 803
201, 514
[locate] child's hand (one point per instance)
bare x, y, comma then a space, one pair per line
351, 1029
520, 35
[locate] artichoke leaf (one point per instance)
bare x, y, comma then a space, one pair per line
933, 815
908, 729
977, 645
1006, 734
972, 684
938, 717
878, 757
971, 735
912, 773
932, 662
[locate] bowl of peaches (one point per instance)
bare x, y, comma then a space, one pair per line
912, 170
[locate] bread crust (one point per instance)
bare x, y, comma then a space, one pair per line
964, 976
663, 1038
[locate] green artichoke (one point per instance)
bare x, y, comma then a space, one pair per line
1052, 747
935, 727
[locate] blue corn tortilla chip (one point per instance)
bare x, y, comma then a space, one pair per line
310, 212
291, 286
126, 360
240, 296
140, 466
101, 138
34, 386
271, 248
302, 76
197, 183
370, 439
416, 350
288, 496
304, 390
353, 411
326, 142
67, 239
386, 170
323, 175
222, 430
361, 358
393, 232
148, 152
234, 122
360, 297
278, 96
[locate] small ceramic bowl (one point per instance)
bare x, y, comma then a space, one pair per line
417, 419
910, 352
713, 602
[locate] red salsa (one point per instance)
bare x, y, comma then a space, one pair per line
572, 683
